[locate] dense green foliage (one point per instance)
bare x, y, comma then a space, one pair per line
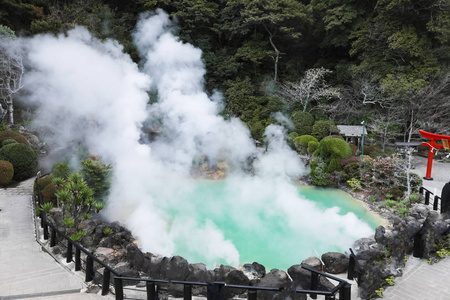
6, 172
331, 151
301, 143
22, 157
97, 176
60, 170
303, 122
388, 59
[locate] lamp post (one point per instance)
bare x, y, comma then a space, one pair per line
364, 130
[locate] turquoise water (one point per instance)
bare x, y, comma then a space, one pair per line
274, 224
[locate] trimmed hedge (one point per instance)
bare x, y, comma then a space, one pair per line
12, 135
302, 142
22, 157
332, 150
8, 141
323, 128
6, 172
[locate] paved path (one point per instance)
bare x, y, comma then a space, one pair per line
25, 270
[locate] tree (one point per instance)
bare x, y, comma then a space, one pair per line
311, 87
278, 19
11, 72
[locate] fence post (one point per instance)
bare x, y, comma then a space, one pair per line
252, 295
53, 238
330, 297
187, 292
118, 288
69, 252
427, 197
435, 203
314, 284
345, 292
90, 269
45, 227
151, 292
106, 279
351, 267
77, 259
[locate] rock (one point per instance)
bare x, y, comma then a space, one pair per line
175, 268
335, 262
313, 262
277, 279
235, 277
106, 242
411, 229
135, 257
380, 237
155, 266
254, 272
199, 273
221, 273
302, 278
102, 251
123, 268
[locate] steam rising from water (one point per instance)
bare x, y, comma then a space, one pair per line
91, 92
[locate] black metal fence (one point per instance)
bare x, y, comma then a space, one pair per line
427, 195
153, 286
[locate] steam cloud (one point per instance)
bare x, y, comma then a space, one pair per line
90, 92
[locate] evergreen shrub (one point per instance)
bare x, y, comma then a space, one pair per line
323, 128
23, 159
301, 143
48, 193
6, 172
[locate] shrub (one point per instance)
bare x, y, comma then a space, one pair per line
318, 175
302, 121
61, 170
323, 128
44, 181
312, 146
23, 159
373, 151
332, 150
301, 143
6, 172
97, 176
352, 170
12, 135
8, 141
349, 160
354, 148
355, 184
48, 193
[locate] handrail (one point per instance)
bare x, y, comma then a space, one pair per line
427, 198
152, 289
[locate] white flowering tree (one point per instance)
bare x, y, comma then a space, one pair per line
11, 71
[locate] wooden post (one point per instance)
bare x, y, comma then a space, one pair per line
53, 238
314, 284
252, 295
345, 292
151, 292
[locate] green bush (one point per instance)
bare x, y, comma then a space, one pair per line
12, 135
323, 128
61, 170
302, 121
8, 141
48, 193
97, 176
301, 143
6, 172
352, 170
312, 146
22, 157
318, 175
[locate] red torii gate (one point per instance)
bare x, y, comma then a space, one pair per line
432, 145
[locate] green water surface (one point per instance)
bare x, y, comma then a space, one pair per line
273, 232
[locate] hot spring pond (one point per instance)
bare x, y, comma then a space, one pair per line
277, 225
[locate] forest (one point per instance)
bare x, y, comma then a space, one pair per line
385, 62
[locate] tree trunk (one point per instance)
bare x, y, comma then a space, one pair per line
277, 54
10, 110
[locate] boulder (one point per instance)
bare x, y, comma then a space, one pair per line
335, 262
135, 257
199, 273
313, 262
277, 279
221, 272
236, 277
302, 278
124, 269
175, 268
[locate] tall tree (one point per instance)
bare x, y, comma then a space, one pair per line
11, 72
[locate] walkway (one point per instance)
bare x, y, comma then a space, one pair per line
25, 270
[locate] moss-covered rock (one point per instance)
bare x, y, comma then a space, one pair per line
6, 172
23, 159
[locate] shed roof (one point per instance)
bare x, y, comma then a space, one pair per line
351, 130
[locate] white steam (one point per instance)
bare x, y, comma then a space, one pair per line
90, 92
